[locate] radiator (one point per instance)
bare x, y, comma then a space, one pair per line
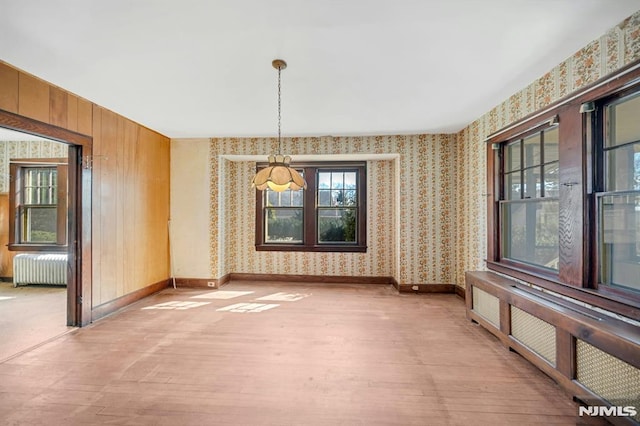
32, 268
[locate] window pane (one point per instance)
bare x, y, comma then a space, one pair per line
273, 198
337, 180
532, 184
623, 168
350, 180
551, 139
530, 232
324, 180
337, 225
619, 240
41, 225
350, 197
512, 161
623, 122
40, 185
283, 225
324, 197
551, 180
297, 198
532, 150
513, 186
286, 198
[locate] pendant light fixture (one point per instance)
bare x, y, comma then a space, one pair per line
278, 175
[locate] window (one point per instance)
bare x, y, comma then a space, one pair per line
618, 196
330, 215
564, 206
38, 205
529, 199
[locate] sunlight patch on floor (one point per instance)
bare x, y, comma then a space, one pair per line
177, 305
222, 294
284, 297
6, 297
248, 307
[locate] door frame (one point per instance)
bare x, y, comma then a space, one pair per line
79, 199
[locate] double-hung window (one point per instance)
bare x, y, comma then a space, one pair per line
38, 205
618, 191
529, 199
330, 215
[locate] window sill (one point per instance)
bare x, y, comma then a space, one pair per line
52, 248
627, 304
312, 249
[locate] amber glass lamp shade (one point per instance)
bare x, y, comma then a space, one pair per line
279, 176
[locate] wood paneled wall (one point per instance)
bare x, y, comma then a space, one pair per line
131, 204
130, 183
26, 95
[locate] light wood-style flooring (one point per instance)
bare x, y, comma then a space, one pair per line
281, 354
30, 315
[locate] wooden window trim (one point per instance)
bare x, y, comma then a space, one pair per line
15, 167
577, 277
309, 207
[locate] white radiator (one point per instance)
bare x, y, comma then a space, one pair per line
33, 268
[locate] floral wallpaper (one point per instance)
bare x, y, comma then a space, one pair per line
26, 149
428, 224
416, 251
618, 47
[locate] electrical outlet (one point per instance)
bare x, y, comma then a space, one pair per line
415, 288
211, 284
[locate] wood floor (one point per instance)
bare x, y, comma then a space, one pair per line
30, 315
281, 354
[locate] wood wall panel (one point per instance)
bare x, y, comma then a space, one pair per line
96, 204
33, 98
129, 192
9, 88
72, 112
129, 184
152, 212
131, 207
85, 117
58, 102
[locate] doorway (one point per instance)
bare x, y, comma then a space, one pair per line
44, 224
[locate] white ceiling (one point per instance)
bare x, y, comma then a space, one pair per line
202, 68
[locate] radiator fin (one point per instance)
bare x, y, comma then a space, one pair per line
534, 333
607, 376
487, 306
31, 268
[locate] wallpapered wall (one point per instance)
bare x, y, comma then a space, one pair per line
618, 47
441, 230
425, 207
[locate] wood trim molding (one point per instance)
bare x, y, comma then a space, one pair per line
323, 279
112, 306
461, 292
28, 125
426, 288
210, 283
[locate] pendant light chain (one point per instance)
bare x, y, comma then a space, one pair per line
279, 109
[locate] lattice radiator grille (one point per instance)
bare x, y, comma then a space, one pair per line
487, 306
537, 335
607, 376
